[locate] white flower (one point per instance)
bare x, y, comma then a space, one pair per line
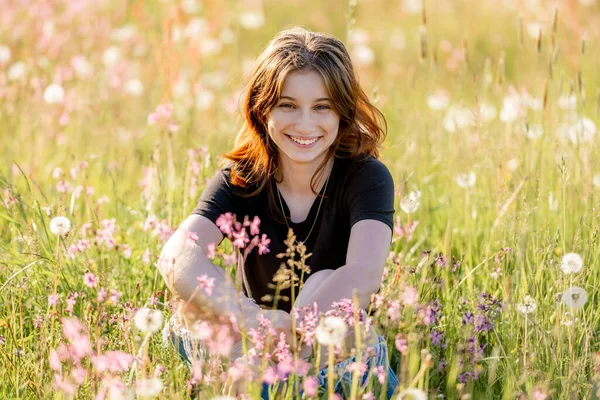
134, 87
511, 109
552, 202
533, 29
412, 394
534, 131
457, 118
363, 54
527, 306
60, 225
575, 297
412, 6
582, 131
512, 164
111, 56
54, 94
358, 36
190, 6
123, 33
410, 203
596, 180
331, 331
567, 102
17, 71
571, 263
487, 112
147, 320
4, 54
149, 387
439, 100
587, 3
397, 40
466, 180
252, 19
82, 66
204, 99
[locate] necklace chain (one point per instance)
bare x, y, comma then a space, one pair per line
316, 216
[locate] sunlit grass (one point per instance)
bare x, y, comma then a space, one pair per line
492, 122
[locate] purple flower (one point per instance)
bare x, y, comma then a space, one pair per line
436, 337
467, 318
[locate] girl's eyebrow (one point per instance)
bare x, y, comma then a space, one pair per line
293, 99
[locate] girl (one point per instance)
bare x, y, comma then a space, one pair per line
305, 159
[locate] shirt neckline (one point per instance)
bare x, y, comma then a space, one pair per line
315, 204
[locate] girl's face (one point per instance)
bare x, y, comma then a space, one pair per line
303, 123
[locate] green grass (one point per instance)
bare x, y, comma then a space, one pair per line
508, 206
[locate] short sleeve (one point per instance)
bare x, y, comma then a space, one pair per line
371, 193
218, 197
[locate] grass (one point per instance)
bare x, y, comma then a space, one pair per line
474, 255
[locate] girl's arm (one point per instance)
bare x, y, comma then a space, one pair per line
368, 249
183, 261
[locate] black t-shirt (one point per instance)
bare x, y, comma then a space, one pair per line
357, 190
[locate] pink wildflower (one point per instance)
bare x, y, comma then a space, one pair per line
146, 257
240, 238
90, 280
409, 296
62, 186
254, 226
401, 344
263, 246
211, 254
310, 386
101, 295
64, 386
57, 173
206, 283
78, 374
72, 328
192, 237
381, 373
54, 360
269, 377
53, 299
225, 223
127, 251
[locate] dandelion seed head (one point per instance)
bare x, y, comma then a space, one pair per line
412, 394
571, 263
149, 387
54, 94
575, 297
331, 331
465, 180
60, 225
147, 320
410, 203
527, 306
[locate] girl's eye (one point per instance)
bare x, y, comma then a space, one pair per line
286, 105
322, 107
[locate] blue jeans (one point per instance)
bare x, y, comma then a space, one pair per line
190, 349
344, 381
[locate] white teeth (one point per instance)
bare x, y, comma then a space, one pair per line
304, 142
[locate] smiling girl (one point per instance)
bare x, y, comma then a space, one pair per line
305, 159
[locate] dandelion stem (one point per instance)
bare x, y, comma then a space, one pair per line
330, 371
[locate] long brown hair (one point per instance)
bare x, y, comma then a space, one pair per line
362, 126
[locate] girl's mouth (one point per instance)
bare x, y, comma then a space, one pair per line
304, 142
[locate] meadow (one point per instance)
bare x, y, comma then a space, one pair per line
113, 115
